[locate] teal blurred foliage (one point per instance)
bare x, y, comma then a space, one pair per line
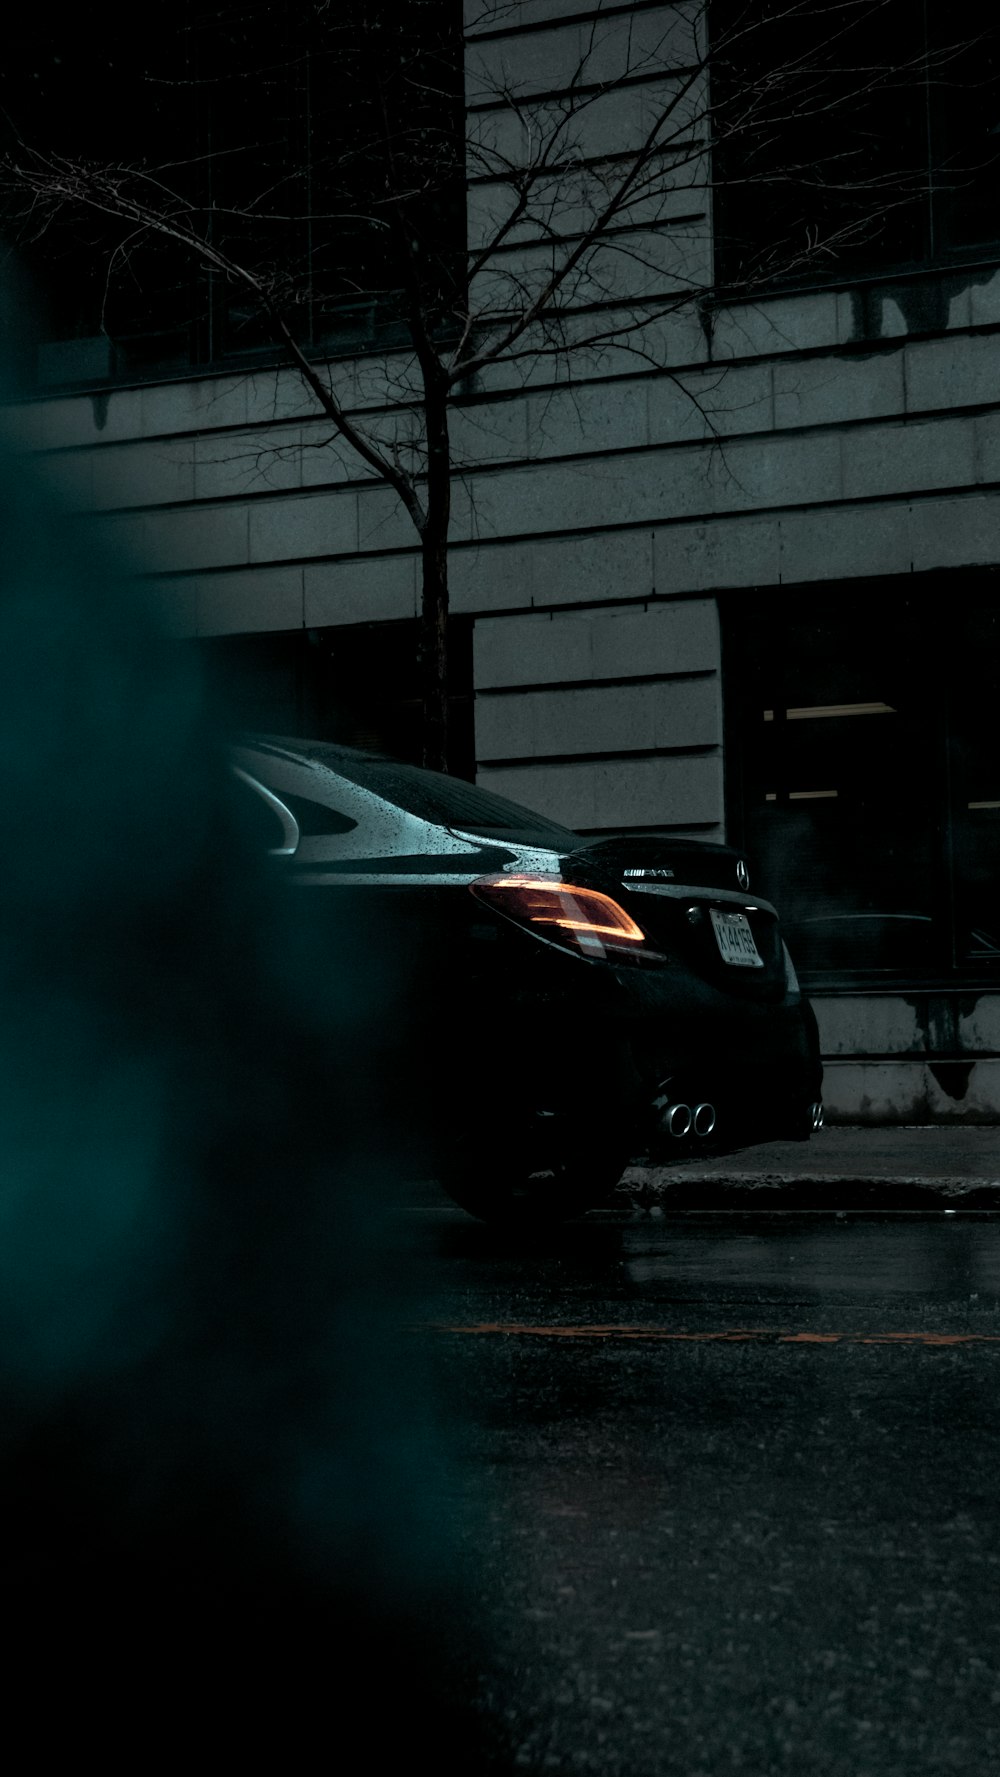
222, 1473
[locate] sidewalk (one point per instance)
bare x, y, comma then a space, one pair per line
942, 1166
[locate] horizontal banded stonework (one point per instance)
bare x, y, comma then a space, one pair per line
606, 719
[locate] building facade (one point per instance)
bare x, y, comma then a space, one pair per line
738, 581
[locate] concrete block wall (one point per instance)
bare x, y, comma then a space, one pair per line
916, 1058
851, 457
605, 719
603, 498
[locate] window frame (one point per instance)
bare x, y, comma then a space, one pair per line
961, 597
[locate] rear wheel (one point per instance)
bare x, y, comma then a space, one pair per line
537, 1174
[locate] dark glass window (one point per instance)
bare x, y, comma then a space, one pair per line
864, 776
317, 819
974, 786
258, 821
855, 137
446, 800
312, 145
358, 684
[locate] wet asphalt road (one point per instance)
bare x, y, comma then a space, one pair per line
730, 1489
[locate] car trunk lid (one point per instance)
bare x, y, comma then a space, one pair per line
693, 899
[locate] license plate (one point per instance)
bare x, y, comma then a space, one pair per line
736, 940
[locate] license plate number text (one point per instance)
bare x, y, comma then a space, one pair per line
736, 940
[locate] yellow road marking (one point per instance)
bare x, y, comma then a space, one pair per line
734, 1335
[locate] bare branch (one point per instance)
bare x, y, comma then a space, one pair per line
54, 180
590, 200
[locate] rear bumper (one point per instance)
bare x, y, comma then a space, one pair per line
610, 1073
760, 1073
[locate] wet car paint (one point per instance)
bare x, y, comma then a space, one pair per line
495, 1022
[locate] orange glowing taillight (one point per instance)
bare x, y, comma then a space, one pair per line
578, 919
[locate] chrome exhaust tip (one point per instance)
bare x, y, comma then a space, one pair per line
704, 1119
677, 1119
816, 1114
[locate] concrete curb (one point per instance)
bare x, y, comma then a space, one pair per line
669, 1190
907, 1167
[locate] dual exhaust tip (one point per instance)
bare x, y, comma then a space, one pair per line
681, 1119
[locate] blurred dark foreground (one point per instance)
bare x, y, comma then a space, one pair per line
223, 1481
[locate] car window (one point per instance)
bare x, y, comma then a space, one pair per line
260, 822
310, 797
448, 801
317, 817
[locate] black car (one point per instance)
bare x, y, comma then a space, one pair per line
551, 1006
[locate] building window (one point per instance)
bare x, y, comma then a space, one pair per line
357, 684
312, 145
864, 777
855, 138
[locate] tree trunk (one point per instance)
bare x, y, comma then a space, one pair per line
434, 651
434, 566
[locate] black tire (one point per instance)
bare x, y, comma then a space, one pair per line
534, 1176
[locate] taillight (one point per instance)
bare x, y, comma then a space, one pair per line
578, 919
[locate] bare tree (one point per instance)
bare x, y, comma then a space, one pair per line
590, 186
